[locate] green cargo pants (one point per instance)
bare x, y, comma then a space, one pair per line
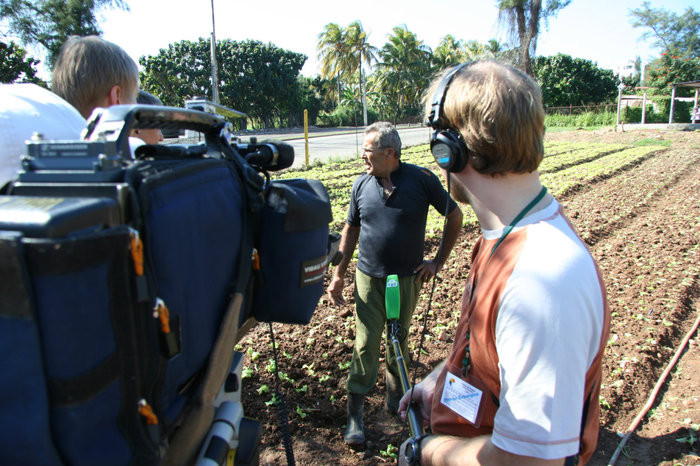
370, 322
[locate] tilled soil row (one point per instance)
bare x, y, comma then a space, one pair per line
651, 269
600, 209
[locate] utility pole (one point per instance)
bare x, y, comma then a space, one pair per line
363, 87
214, 73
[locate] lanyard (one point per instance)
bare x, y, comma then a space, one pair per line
465, 363
519, 217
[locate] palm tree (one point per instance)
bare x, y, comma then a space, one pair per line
360, 52
493, 48
333, 53
522, 18
404, 68
473, 50
447, 53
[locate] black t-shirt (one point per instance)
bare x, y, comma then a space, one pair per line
392, 235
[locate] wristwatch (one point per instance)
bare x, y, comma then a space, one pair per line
412, 451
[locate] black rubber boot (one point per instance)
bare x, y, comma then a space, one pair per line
354, 432
394, 392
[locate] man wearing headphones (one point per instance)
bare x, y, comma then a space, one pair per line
521, 384
387, 214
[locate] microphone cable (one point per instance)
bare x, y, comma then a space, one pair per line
415, 363
282, 413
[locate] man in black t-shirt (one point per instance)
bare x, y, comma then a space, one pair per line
387, 214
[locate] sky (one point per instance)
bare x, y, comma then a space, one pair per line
597, 30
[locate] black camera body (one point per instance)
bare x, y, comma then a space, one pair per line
127, 277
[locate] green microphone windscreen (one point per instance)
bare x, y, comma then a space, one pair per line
392, 297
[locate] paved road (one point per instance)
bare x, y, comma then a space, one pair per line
326, 143
339, 144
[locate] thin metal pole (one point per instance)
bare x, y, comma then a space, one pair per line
214, 73
673, 102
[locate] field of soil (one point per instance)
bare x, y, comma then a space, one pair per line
642, 225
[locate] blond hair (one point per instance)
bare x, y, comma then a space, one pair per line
498, 111
88, 68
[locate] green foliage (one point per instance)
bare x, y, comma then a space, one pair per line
255, 78
672, 34
670, 69
15, 66
657, 111
676, 36
447, 53
582, 120
310, 100
329, 120
346, 115
566, 166
402, 75
50, 22
390, 452
573, 81
522, 18
342, 52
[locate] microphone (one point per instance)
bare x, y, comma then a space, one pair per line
267, 155
392, 298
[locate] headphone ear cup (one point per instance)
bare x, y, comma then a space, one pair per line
449, 150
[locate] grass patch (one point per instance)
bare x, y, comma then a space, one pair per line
652, 142
562, 129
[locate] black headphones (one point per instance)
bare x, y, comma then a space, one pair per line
446, 145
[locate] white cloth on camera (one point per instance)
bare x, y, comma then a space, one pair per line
26, 109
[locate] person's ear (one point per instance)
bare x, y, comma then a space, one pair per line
115, 94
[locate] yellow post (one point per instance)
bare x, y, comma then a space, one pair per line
306, 136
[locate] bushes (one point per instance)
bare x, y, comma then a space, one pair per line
345, 115
581, 120
657, 111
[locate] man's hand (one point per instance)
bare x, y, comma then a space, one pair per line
348, 241
335, 290
426, 271
423, 400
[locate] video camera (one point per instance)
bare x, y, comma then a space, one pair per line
129, 272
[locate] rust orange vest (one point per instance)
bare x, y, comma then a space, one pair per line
483, 309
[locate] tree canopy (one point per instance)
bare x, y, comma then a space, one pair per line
573, 81
16, 66
403, 70
50, 22
671, 33
255, 78
676, 36
522, 19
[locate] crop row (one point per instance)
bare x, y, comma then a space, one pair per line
581, 164
582, 153
569, 179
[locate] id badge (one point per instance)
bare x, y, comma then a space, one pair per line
465, 397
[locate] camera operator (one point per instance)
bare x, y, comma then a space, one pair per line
152, 135
521, 384
91, 72
387, 214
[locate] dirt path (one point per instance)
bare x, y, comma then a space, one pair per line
643, 227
